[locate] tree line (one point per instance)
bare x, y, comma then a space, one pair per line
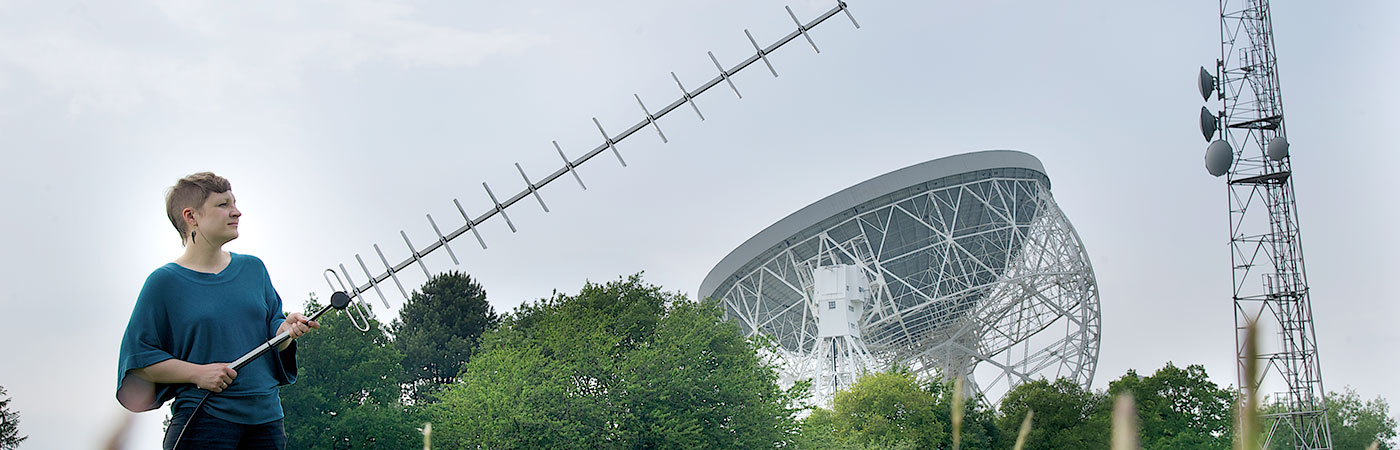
626, 365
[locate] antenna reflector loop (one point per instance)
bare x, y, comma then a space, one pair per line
359, 305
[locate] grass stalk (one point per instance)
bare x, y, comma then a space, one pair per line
957, 412
1125, 423
1025, 430
1249, 409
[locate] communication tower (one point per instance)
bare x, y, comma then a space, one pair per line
1270, 287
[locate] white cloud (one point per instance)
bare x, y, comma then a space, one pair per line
228, 51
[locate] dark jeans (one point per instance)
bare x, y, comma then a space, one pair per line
209, 432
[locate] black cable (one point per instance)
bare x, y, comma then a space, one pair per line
189, 419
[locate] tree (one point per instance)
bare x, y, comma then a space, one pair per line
619, 365
1179, 408
889, 408
438, 329
979, 426
820, 432
1356, 423
894, 409
9, 425
1066, 415
347, 393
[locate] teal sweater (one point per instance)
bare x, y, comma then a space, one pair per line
204, 318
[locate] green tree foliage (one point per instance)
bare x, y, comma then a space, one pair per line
1356, 423
895, 410
9, 425
1066, 415
819, 432
620, 365
979, 426
889, 408
347, 390
1179, 408
624, 365
439, 327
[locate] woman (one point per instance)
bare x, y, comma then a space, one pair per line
197, 314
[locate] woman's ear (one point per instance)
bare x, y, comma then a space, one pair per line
188, 216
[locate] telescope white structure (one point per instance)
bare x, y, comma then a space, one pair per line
960, 266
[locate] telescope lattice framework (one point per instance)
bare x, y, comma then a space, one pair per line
963, 266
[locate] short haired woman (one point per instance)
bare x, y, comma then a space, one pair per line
197, 314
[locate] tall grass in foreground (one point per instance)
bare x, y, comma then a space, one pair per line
1125, 423
1025, 430
1247, 435
957, 413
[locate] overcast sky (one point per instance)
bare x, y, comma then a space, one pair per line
341, 123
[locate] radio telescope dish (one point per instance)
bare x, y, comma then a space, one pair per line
959, 266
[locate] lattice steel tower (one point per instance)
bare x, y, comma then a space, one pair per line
1269, 282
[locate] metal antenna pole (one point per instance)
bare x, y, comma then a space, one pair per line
1269, 282
532, 188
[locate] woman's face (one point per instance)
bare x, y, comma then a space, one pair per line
217, 220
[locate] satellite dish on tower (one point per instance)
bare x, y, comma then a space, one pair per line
1208, 123
1219, 157
1278, 148
1206, 83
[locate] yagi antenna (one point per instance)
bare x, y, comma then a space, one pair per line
609, 143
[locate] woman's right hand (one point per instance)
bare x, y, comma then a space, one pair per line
214, 377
